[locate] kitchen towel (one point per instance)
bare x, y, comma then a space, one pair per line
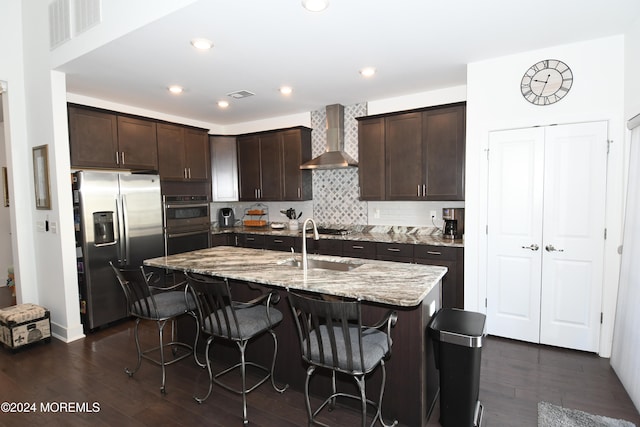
550, 415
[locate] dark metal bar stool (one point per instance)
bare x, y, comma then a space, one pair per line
161, 305
332, 337
239, 322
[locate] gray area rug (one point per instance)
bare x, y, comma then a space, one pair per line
556, 416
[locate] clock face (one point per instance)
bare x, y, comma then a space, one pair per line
546, 82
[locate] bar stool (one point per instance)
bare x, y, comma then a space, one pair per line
222, 317
332, 337
160, 305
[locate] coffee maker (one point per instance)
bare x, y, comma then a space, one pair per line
226, 218
453, 223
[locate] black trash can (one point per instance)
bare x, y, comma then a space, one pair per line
457, 340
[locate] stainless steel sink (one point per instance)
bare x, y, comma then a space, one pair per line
317, 263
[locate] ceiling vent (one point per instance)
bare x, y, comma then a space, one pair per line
240, 94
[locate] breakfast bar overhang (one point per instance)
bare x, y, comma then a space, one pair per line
412, 290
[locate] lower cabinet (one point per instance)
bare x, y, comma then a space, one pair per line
453, 282
358, 249
223, 239
279, 243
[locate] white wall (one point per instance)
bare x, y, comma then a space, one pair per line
494, 102
626, 341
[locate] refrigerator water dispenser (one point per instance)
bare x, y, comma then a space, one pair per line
103, 228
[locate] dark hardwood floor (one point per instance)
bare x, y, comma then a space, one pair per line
515, 377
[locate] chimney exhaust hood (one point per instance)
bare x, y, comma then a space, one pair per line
334, 157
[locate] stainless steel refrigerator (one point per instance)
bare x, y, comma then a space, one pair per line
118, 218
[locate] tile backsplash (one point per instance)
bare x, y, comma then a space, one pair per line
336, 191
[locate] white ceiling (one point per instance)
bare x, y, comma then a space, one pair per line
260, 45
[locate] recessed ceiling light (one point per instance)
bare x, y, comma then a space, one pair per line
286, 90
223, 104
367, 71
315, 5
175, 89
202, 44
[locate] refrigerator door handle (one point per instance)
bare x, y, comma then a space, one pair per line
120, 240
124, 236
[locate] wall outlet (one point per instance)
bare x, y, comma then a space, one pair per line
376, 213
434, 215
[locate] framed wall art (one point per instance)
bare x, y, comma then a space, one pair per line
41, 176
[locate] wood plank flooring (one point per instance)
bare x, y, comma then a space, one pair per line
515, 377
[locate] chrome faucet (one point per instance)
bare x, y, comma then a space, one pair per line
304, 241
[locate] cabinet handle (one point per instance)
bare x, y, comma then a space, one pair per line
122, 154
357, 247
277, 241
250, 239
418, 190
393, 249
189, 176
184, 173
424, 190
434, 253
117, 157
299, 193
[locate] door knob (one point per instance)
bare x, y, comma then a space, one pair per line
551, 248
533, 247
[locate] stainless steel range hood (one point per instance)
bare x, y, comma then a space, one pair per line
334, 157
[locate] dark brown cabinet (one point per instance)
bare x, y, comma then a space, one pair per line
398, 252
371, 155
453, 281
183, 153
358, 249
279, 243
223, 239
423, 153
269, 165
103, 139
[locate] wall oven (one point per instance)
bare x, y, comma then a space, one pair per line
187, 223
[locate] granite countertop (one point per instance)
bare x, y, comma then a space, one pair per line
391, 283
382, 234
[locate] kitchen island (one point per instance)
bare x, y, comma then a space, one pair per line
412, 290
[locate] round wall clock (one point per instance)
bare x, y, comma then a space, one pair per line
546, 82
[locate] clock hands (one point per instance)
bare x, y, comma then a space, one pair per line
544, 85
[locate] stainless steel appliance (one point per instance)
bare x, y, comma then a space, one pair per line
226, 217
453, 222
118, 218
187, 224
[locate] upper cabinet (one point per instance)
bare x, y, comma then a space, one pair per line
183, 153
416, 155
269, 165
102, 139
224, 169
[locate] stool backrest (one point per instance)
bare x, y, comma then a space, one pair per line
215, 306
135, 285
330, 332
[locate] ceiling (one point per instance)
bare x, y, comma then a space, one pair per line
415, 46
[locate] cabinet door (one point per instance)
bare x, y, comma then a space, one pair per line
444, 145
224, 169
453, 281
296, 147
93, 138
196, 149
371, 155
137, 143
270, 167
249, 167
403, 148
171, 161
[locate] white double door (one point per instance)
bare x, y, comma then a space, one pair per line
546, 233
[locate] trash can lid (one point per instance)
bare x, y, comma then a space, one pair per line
460, 327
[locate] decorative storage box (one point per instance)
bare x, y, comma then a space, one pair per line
24, 324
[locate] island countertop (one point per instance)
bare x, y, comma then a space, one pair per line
384, 282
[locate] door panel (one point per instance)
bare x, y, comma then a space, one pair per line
574, 218
515, 230
547, 187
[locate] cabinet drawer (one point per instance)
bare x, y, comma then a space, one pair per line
394, 252
279, 243
435, 252
326, 246
255, 241
222, 239
358, 249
